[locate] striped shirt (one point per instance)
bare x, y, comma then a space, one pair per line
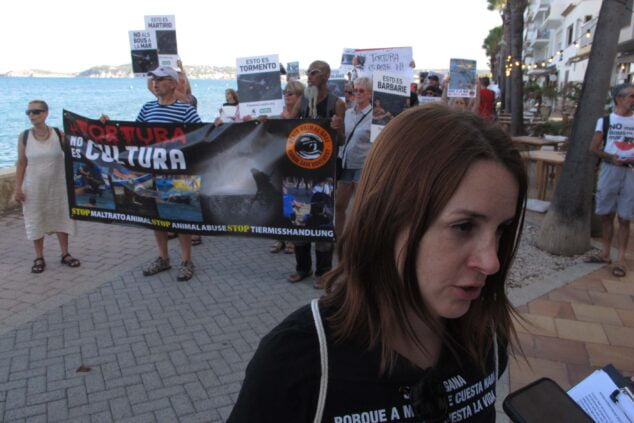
177, 112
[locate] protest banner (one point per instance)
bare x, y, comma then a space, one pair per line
425, 99
346, 60
249, 179
143, 52
462, 78
292, 71
259, 85
390, 96
164, 27
337, 83
386, 60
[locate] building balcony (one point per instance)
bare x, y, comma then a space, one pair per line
551, 22
542, 10
542, 38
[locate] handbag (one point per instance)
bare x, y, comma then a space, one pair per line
339, 170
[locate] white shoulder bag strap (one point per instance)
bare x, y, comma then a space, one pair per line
323, 353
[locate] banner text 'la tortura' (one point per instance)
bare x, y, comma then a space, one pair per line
270, 179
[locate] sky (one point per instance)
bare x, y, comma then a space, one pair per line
71, 35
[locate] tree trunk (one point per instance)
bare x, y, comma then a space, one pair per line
517, 83
506, 30
566, 227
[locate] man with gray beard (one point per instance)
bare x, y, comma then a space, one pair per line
318, 103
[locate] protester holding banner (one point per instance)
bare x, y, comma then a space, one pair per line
293, 93
318, 103
461, 103
41, 186
355, 149
183, 90
230, 110
167, 109
416, 321
348, 93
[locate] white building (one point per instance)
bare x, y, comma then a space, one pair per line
558, 36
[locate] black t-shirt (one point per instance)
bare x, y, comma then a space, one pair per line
282, 381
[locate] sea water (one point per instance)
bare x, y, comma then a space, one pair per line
119, 98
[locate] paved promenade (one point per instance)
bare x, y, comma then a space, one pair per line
102, 343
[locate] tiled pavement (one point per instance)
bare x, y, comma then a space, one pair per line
158, 350
577, 328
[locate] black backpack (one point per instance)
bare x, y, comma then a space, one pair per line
25, 136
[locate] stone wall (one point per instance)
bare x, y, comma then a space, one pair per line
7, 189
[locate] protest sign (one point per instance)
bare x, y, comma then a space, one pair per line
337, 83
143, 52
346, 60
259, 85
292, 71
387, 60
164, 27
241, 179
426, 99
390, 96
462, 78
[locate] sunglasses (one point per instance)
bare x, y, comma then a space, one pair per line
161, 78
34, 112
289, 93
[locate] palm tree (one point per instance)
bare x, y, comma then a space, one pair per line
566, 227
512, 13
491, 46
517, 83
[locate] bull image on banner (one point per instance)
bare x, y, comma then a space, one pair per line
251, 179
143, 52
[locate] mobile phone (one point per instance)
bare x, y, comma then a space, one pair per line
543, 401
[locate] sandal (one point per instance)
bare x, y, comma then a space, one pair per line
296, 277
290, 248
38, 265
276, 247
197, 240
619, 270
70, 261
185, 271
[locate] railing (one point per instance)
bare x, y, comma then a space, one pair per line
587, 28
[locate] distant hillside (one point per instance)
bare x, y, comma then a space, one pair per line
125, 71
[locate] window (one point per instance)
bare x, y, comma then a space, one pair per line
588, 18
570, 35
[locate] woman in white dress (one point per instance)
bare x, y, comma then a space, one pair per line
41, 186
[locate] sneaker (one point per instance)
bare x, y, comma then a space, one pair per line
186, 271
157, 266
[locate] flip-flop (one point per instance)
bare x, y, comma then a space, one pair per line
595, 258
619, 270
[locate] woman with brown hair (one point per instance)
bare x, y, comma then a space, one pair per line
415, 323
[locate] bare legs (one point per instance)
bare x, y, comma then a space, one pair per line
185, 241
622, 238
62, 238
